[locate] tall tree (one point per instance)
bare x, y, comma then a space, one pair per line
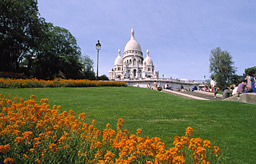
221, 66
251, 70
18, 27
31, 45
88, 68
58, 54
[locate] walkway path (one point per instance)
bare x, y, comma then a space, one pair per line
195, 95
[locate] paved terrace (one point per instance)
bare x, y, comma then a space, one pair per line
199, 95
173, 83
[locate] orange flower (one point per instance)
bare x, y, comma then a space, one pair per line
32, 97
53, 147
66, 147
9, 160
82, 116
189, 131
71, 112
37, 160
207, 144
28, 135
32, 150
18, 140
109, 156
4, 148
25, 156
179, 160
139, 131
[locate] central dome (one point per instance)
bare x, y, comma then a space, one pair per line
132, 44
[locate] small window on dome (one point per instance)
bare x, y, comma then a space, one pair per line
148, 69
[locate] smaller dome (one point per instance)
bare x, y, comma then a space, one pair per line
148, 60
119, 59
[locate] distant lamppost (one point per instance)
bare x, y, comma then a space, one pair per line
163, 76
98, 46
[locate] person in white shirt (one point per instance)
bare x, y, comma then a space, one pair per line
214, 87
166, 86
235, 91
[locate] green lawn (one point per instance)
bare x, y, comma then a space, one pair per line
229, 125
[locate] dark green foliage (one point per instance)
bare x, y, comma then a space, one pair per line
103, 77
18, 29
88, 71
221, 67
30, 45
236, 79
58, 55
251, 70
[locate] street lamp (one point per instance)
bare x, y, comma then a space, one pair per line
98, 46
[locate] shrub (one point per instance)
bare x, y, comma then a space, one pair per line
35, 83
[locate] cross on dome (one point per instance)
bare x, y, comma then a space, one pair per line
147, 52
132, 33
119, 52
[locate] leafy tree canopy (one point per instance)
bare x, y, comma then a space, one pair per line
249, 71
30, 45
221, 66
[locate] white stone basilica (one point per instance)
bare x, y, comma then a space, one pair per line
133, 66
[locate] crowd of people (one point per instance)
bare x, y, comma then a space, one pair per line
248, 85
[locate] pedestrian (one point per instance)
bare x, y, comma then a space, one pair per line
214, 87
155, 86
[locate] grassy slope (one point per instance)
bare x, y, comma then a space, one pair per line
230, 125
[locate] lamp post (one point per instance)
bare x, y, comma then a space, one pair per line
98, 46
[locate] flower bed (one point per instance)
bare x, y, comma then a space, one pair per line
35, 83
39, 133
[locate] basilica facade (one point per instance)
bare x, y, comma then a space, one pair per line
132, 66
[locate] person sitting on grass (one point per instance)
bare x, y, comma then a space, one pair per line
227, 92
194, 88
234, 90
167, 86
241, 87
249, 79
253, 83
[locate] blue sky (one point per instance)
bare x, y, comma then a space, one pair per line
178, 33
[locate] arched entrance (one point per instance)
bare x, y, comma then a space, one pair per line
134, 73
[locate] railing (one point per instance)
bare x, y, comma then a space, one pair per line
164, 80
